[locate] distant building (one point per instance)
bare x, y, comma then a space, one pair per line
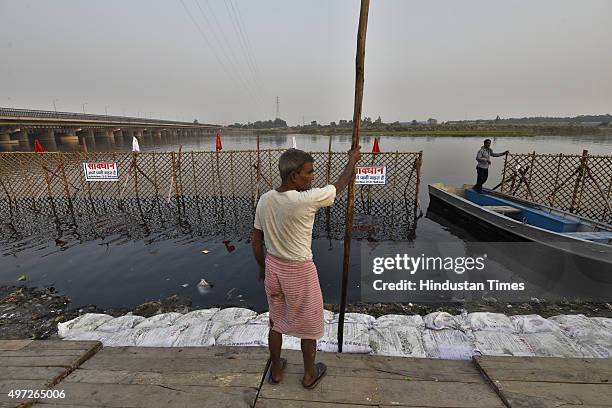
432, 122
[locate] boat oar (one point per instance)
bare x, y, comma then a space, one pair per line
350, 203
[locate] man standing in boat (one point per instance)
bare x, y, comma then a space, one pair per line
283, 221
483, 157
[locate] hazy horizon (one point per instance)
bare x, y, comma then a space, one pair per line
226, 61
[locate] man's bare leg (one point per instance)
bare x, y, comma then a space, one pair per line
275, 342
309, 353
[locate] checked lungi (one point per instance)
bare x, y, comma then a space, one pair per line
294, 297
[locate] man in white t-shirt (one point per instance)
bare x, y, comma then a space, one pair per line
283, 220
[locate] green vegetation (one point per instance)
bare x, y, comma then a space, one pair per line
523, 127
455, 131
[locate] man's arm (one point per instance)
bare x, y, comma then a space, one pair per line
499, 154
257, 241
345, 176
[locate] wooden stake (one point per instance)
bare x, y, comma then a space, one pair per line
359, 74
578, 180
551, 199
258, 169
327, 180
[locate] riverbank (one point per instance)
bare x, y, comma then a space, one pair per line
33, 313
423, 131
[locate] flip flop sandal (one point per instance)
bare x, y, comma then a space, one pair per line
270, 378
321, 371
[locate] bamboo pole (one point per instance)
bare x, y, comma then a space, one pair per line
578, 180
607, 199
551, 199
359, 74
585, 172
258, 169
327, 180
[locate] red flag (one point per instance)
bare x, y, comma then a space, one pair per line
218, 141
38, 147
376, 148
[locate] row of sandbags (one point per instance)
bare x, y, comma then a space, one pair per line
436, 335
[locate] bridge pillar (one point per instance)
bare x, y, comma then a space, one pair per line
157, 136
47, 139
105, 140
119, 139
166, 136
24, 142
172, 135
147, 137
88, 140
127, 136
67, 140
5, 141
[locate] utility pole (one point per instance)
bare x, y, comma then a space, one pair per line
277, 107
84, 103
54, 106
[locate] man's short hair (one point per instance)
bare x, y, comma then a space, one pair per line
487, 140
292, 160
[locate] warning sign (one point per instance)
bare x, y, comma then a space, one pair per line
101, 171
371, 175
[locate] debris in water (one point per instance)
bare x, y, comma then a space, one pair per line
205, 251
22, 278
185, 285
229, 247
204, 284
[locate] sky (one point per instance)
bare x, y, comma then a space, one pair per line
226, 61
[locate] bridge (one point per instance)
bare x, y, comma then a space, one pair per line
74, 131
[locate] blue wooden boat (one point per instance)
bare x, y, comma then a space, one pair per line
586, 241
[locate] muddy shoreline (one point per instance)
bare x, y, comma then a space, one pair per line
33, 313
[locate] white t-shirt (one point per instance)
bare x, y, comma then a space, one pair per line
286, 220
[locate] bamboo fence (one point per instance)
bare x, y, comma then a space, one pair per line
207, 193
579, 184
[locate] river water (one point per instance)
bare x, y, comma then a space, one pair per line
119, 269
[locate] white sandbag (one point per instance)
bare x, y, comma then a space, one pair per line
120, 323
495, 322
123, 338
197, 316
291, 343
442, 320
201, 334
356, 338
86, 322
604, 322
262, 318
554, 344
328, 316
575, 326
87, 336
491, 343
234, 315
397, 341
449, 344
589, 333
159, 321
360, 318
244, 335
160, 336
533, 324
394, 320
